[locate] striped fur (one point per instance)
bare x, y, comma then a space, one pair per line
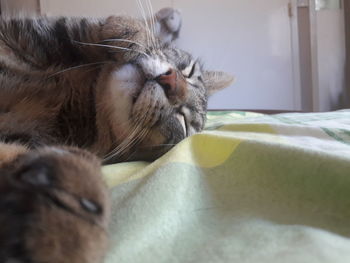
86, 84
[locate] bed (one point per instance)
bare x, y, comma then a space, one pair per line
250, 188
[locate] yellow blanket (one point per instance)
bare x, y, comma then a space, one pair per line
251, 188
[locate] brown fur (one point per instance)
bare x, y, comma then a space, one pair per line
34, 98
56, 94
41, 206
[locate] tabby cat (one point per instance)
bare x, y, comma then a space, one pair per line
72, 89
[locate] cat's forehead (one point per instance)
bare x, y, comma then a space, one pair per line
179, 57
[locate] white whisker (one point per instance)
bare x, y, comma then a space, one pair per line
126, 40
109, 46
127, 144
153, 22
143, 14
164, 144
76, 67
133, 138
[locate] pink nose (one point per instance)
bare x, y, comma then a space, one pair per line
174, 87
167, 80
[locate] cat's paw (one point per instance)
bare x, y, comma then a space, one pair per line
127, 36
55, 207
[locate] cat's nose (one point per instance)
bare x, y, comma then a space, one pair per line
168, 80
173, 86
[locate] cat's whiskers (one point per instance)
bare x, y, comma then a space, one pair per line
77, 67
126, 141
153, 22
109, 46
139, 132
143, 14
164, 144
117, 150
135, 137
142, 136
149, 26
150, 18
128, 41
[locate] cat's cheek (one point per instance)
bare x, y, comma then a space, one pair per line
155, 138
121, 85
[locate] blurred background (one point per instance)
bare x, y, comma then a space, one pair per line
285, 54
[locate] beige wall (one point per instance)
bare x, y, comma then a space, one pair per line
19, 7
96, 8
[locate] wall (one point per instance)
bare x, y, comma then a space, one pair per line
251, 41
95, 8
15, 7
245, 38
331, 58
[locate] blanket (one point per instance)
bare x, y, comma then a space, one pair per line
250, 188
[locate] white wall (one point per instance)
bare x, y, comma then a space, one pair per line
246, 38
14, 7
249, 39
96, 8
331, 58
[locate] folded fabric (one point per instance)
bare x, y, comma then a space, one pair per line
250, 188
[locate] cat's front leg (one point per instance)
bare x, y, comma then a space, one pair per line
128, 37
42, 42
54, 205
142, 36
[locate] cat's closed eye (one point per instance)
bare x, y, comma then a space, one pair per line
189, 70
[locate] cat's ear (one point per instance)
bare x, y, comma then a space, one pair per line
168, 25
216, 80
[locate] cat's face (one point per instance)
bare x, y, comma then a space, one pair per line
159, 99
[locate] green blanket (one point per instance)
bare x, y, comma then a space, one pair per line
251, 188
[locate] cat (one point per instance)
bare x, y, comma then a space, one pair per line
74, 91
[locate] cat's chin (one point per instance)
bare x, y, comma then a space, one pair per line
153, 146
